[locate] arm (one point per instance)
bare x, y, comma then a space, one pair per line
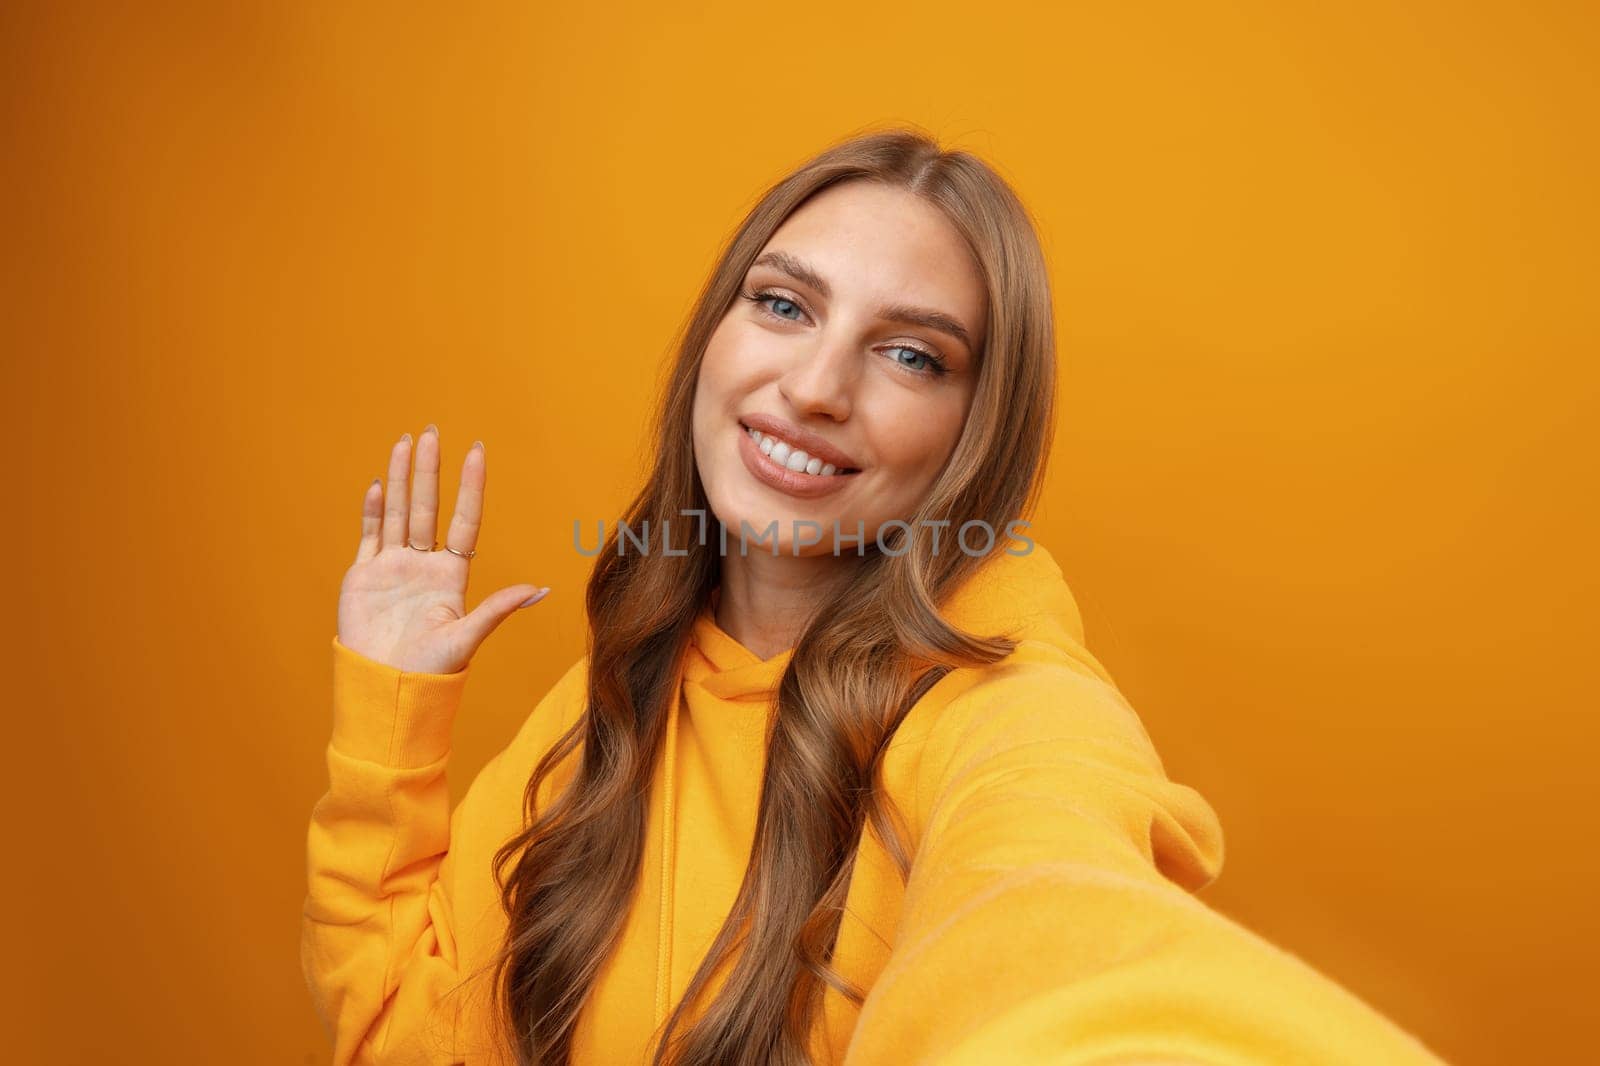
377, 948
1048, 917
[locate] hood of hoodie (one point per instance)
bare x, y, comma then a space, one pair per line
1024, 597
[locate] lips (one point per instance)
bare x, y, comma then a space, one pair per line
813, 444
793, 483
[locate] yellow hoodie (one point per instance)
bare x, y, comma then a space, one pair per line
1049, 916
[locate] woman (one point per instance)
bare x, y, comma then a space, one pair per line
837, 780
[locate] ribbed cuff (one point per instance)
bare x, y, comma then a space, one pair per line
389, 716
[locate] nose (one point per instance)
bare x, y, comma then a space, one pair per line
822, 380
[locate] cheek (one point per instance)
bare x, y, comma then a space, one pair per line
740, 361
727, 361
916, 441
720, 386
712, 387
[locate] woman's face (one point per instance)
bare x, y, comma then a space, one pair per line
846, 343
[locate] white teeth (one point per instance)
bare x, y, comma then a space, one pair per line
791, 458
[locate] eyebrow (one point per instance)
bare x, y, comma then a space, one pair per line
895, 312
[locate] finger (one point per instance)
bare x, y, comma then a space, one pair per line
425, 489
468, 518
477, 624
394, 507
371, 520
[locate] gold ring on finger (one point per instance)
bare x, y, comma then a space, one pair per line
415, 548
465, 555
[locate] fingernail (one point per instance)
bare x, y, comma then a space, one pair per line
478, 444
375, 481
535, 598
431, 428
406, 437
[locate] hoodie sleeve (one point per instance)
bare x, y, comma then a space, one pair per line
1049, 915
377, 946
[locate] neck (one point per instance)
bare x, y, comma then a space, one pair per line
763, 601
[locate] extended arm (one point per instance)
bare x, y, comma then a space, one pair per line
1049, 914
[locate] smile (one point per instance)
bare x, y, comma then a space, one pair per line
789, 457
790, 470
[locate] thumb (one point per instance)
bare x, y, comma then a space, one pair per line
496, 607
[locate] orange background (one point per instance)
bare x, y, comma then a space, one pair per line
1325, 279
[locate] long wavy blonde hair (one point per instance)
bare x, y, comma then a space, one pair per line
863, 659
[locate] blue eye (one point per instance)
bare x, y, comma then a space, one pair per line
931, 365
763, 298
916, 352
778, 302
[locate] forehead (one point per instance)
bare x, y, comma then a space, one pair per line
874, 243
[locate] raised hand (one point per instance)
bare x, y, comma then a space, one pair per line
403, 603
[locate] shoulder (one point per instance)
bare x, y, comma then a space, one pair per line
1036, 691
1039, 725
1034, 695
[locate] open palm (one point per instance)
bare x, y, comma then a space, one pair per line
403, 603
